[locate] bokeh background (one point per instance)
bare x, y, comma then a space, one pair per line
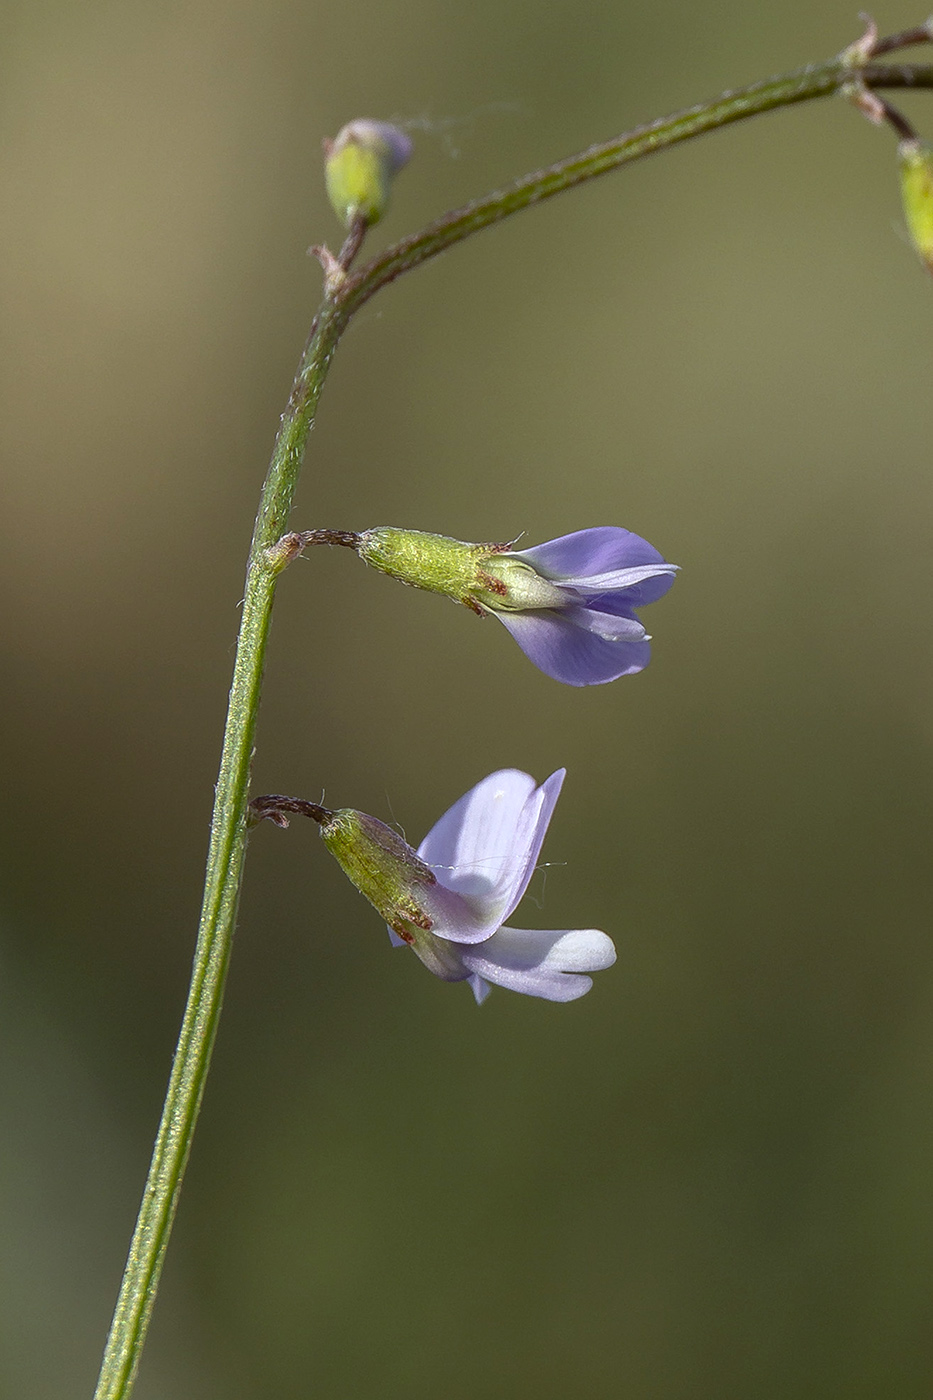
711, 1177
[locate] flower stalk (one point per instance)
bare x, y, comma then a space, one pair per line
345, 292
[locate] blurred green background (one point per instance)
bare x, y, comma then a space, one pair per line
711, 1177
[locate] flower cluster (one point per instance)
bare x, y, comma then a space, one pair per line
570, 604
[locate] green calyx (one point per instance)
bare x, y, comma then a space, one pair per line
382, 866
917, 194
434, 562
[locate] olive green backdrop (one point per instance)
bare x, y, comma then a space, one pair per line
711, 1177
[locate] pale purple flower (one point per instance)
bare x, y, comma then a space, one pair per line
572, 608
570, 603
482, 854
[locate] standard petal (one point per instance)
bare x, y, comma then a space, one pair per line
542, 962
529, 837
485, 848
602, 550
571, 653
477, 827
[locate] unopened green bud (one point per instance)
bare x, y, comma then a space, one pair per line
360, 164
383, 867
482, 576
917, 194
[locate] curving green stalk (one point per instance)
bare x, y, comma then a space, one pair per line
346, 293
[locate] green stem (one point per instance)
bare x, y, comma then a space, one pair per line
222, 885
823, 80
229, 824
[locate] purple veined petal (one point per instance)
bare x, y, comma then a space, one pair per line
542, 962
535, 819
605, 549
484, 851
569, 652
478, 825
394, 938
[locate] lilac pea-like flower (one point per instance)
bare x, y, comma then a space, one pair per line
449, 900
570, 603
483, 853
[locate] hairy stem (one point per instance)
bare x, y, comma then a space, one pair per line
224, 873
268, 556
823, 80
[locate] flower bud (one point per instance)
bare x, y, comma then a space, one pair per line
359, 167
383, 867
917, 193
